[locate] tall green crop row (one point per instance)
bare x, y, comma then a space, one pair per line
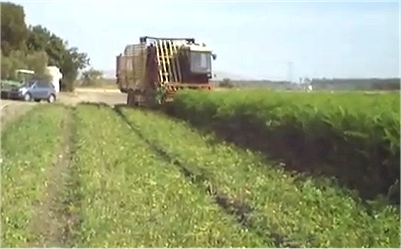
131, 197
352, 136
288, 210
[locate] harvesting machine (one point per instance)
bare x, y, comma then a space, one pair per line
153, 70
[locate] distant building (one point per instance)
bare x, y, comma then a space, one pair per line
306, 84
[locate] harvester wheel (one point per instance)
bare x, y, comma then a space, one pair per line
130, 98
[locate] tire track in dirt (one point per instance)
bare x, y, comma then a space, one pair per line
241, 211
11, 111
55, 218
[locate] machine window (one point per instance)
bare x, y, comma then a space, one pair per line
203, 59
201, 62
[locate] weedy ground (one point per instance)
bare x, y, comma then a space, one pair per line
97, 176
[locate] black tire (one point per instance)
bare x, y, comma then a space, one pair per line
51, 98
27, 97
128, 102
37, 100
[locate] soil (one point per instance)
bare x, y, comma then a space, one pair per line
12, 109
51, 217
107, 96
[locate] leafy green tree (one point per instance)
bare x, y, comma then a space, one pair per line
35, 47
69, 60
41, 39
35, 61
13, 28
38, 61
72, 62
91, 77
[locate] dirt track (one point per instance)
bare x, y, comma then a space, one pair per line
53, 223
11, 109
110, 97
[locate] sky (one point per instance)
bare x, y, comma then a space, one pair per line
256, 40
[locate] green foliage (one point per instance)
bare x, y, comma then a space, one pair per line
226, 83
367, 84
352, 136
91, 77
130, 197
72, 62
41, 39
35, 61
35, 47
23, 169
284, 209
358, 84
13, 27
136, 178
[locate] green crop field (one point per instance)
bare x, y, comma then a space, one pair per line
221, 169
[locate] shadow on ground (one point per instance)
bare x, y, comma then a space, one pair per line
296, 159
290, 150
240, 210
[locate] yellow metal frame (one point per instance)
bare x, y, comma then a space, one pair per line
168, 63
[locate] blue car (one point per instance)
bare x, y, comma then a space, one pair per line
34, 90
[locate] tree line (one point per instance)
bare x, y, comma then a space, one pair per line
320, 84
35, 47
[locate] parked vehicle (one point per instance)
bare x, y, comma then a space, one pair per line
36, 90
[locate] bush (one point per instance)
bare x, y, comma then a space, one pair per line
226, 83
351, 136
35, 61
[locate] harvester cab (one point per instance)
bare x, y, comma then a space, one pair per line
153, 70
